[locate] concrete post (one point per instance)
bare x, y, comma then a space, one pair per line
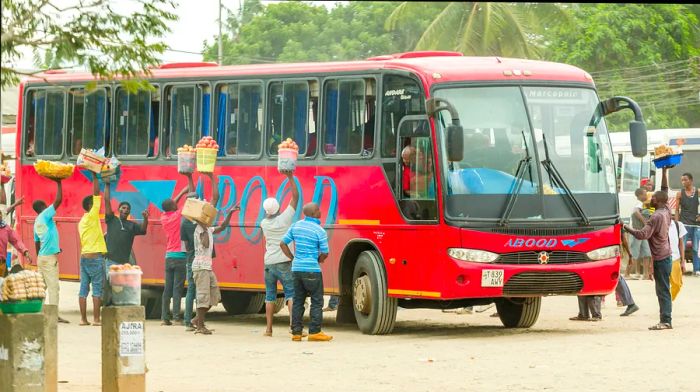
51, 348
123, 349
22, 355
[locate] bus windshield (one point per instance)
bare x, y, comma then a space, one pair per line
502, 126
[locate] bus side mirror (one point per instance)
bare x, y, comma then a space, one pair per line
638, 138
455, 143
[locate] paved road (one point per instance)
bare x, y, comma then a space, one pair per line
428, 351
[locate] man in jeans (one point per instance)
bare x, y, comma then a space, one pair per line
688, 213
278, 267
46, 242
120, 238
656, 231
92, 250
175, 256
311, 248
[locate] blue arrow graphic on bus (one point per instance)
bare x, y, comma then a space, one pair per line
155, 191
572, 243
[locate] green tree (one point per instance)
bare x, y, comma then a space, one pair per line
484, 28
299, 31
87, 33
648, 52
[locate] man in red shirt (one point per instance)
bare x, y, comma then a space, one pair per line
408, 173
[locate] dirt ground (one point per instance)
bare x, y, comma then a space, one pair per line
429, 351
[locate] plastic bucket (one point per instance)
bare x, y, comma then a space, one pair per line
186, 162
206, 159
126, 287
287, 159
26, 306
668, 161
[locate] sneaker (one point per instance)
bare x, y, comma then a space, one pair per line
319, 337
630, 309
296, 338
660, 326
696, 273
190, 328
328, 309
595, 319
166, 322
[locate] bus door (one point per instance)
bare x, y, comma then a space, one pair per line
416, 170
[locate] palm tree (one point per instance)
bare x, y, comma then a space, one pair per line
485, 28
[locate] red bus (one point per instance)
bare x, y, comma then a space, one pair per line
445, 181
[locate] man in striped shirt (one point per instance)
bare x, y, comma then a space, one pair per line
311, 246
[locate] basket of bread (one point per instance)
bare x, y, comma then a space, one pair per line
22, 292
667, 156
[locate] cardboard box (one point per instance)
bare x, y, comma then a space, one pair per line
91, 161
199, 211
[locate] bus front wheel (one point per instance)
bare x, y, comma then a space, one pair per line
518, 312
374, 311
237, 303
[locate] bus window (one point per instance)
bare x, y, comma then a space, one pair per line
402, 96
135, 123
239, 118
44, 123
187, 116
349, 117
288, 114
633, 171
88, 114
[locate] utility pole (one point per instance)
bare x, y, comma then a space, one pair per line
221, 44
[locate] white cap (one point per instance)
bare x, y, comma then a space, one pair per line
271, 206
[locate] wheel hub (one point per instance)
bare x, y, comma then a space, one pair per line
362, 294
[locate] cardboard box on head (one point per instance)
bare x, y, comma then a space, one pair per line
199, 211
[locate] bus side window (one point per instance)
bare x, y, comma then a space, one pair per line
135, 123
402, 96
288, 105
45, 123
88, 114
185, 123
238, 126
349, 117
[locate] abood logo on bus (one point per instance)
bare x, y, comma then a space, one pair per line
542, 242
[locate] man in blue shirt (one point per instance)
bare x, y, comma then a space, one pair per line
46, 243
311, 246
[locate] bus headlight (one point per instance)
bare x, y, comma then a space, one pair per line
478, 256
604, 253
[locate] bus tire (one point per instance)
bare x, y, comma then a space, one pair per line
519, 313
374, 311
152, 302
279, 304
237, 303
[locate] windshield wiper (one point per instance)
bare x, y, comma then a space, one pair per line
556, 179
519, 178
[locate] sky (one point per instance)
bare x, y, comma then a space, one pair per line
196, 23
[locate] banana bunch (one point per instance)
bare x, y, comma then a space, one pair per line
23, 285
53, 170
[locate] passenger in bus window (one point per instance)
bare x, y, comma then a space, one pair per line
408, 163
175, 256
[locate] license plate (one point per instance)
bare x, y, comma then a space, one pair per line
492, 278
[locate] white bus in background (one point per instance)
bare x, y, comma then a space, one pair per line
631, 171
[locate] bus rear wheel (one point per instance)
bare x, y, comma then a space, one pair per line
279, 304
518, 312
237, 303
374, 311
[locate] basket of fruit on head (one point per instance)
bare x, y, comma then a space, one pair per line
207, 149
53, 170
287, 153
5, 174
667, 156
186, 159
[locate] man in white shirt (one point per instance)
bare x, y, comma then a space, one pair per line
278, 267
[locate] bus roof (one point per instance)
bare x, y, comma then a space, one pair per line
450, 67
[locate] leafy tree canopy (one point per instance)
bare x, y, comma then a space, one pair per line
648, 52
89, 33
